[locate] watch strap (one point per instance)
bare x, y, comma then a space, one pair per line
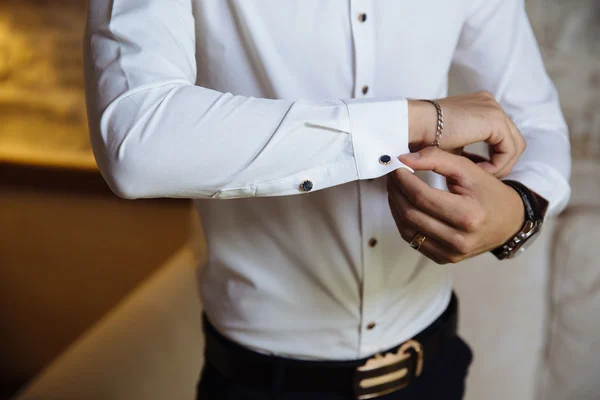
535, 211
535, 205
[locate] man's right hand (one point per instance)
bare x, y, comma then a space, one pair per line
469, 118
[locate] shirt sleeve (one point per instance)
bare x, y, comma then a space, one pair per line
497, 52
156, 134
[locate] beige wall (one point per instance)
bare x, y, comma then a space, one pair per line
569, 34
66, 258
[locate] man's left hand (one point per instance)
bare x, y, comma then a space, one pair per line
478, 214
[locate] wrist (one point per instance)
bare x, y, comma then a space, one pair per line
422, 122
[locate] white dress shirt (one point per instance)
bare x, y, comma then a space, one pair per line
274, 115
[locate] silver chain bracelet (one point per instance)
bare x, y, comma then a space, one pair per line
440, 122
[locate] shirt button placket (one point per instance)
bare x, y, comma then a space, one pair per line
363, 25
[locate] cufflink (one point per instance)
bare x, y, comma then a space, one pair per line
306, 186
385, 159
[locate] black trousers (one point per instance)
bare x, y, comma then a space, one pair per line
443, 378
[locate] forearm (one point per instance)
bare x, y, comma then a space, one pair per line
156, 134
187, 141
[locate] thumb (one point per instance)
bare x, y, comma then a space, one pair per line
455, 168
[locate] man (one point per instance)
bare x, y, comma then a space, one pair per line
290, 123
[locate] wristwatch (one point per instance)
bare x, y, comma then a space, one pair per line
535, 211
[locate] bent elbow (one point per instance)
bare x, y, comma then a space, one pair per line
125, 165
124, 179
125, 190
127, 173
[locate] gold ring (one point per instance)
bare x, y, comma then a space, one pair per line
418, 241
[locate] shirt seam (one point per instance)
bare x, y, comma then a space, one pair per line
150, 86
183, 21
256, 186
508, 69
354, 151
120, 47
359, 349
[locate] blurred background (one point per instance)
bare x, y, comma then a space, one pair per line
69, 249
90, 283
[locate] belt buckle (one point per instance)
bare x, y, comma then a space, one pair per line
384, 374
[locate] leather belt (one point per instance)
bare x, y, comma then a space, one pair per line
368, 378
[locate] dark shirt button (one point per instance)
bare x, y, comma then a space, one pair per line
365, 89
306, 186
385, 159
362, 17
371, 325
373, 242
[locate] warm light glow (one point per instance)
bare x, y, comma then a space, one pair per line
42, 106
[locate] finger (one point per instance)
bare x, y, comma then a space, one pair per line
436, 160
505, 169
519, 147
408, 234
483, 163
412, 217
449, 207
502, 153
432, 249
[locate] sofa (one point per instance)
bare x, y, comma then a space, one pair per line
531, 321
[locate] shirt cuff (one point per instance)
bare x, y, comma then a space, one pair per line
379, 130
546, 182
